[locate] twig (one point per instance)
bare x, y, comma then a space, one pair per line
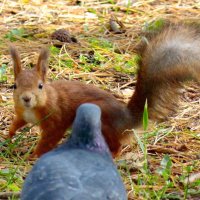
6, 195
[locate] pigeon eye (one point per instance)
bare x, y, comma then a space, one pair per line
15, 86
40, 86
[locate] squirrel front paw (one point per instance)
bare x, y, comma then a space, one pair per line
11, 133
32, 157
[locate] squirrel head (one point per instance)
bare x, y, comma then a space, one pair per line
29, 87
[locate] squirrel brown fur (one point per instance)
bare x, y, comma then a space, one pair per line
169, 58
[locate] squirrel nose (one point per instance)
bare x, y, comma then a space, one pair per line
26, 99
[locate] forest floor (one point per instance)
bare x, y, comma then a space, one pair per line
160, 161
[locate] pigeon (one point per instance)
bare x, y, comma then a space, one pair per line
81, 168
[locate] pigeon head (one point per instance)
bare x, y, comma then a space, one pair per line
86, 130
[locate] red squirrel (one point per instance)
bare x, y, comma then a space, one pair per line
167, 59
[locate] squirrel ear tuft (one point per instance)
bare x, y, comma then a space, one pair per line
42, 64
16, 60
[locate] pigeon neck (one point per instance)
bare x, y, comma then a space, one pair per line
88, 137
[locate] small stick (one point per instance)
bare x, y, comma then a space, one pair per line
6, 195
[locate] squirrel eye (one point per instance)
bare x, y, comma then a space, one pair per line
40, 86
14, 86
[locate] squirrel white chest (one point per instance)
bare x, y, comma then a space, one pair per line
29, 116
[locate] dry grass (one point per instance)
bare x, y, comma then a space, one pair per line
178, 137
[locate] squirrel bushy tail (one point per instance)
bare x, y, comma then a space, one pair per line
170, 57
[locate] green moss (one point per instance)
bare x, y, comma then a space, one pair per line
100, 42
154, 25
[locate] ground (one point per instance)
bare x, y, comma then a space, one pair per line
159, 162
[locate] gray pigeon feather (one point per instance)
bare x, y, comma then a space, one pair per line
80, 169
